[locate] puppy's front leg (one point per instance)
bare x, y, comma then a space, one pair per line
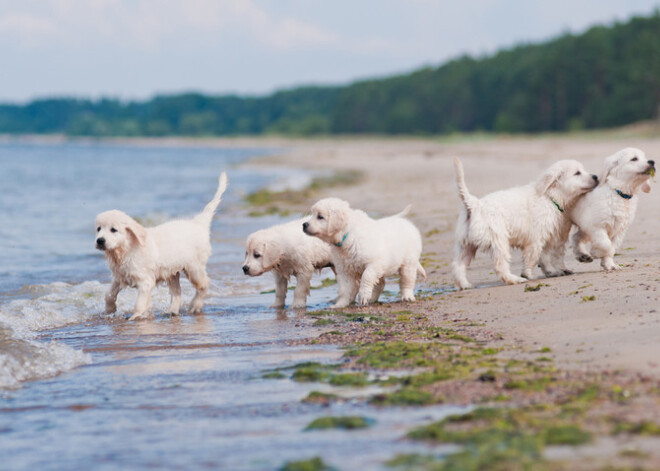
143, 301
346, 290
531, 256
302, 290
175, 292
111, 297
281, 285
602, 247
580, 240
370, 277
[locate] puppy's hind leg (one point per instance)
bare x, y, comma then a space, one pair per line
200, 280
175, 293
408, 276
464, 255
580, 240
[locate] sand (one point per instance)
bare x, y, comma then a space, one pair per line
618, 329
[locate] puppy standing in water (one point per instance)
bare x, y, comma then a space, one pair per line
365, 250
286, 251
142, 257
604, 215
527, 217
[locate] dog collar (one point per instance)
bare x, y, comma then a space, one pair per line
561, 210
623, 195
339, 244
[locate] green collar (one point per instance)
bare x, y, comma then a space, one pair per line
339, 244
561, 210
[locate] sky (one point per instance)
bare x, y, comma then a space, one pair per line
135, 49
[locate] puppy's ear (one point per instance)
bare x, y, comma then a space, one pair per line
337, 219
137, 232
610, 164
546, 180
272, 253
646, 187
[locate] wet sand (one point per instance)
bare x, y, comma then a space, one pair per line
619, 329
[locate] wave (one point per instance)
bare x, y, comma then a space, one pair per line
23, 360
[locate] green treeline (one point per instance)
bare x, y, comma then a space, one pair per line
607, 76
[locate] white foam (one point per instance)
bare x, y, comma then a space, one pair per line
22, 360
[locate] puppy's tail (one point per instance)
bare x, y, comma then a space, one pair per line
469, 201
206, 216
403, 213
420, 270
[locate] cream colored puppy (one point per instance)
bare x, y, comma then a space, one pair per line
142, 257
366, 250
286, 251
527, 217
604, 215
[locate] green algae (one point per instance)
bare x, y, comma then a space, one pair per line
340, 422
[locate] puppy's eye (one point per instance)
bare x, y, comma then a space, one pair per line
319, 217
112, 229
256, 255
634, 159
578, 173
98, 229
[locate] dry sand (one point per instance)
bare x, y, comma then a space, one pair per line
618, 330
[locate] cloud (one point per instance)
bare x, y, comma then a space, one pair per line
153, 24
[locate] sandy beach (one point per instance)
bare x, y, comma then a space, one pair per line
619, 329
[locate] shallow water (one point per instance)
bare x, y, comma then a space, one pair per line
80, 389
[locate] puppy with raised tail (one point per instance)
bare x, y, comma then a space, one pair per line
286, 251
366, 250
142, 257
604, 215
527, 217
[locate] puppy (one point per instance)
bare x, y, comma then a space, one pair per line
603, 216
286, 251
142, 257
365, 250
526, 217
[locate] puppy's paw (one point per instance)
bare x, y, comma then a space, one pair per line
584, 258
409, 298
299, 305
363, 300
277, 305
611, 267
139, 317
110, 308
339, 305
566, 272
513, 280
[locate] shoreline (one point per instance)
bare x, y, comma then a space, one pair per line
589, 331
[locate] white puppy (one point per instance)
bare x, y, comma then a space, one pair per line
142, 257
286, 251
365, 250
603, 216
526, 217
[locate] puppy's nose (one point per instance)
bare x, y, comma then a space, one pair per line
595, 177
246, 269
652, 163
100, 241
305, 226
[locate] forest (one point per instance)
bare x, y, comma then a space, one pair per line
607, 76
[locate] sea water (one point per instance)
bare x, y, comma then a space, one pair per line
81, 389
